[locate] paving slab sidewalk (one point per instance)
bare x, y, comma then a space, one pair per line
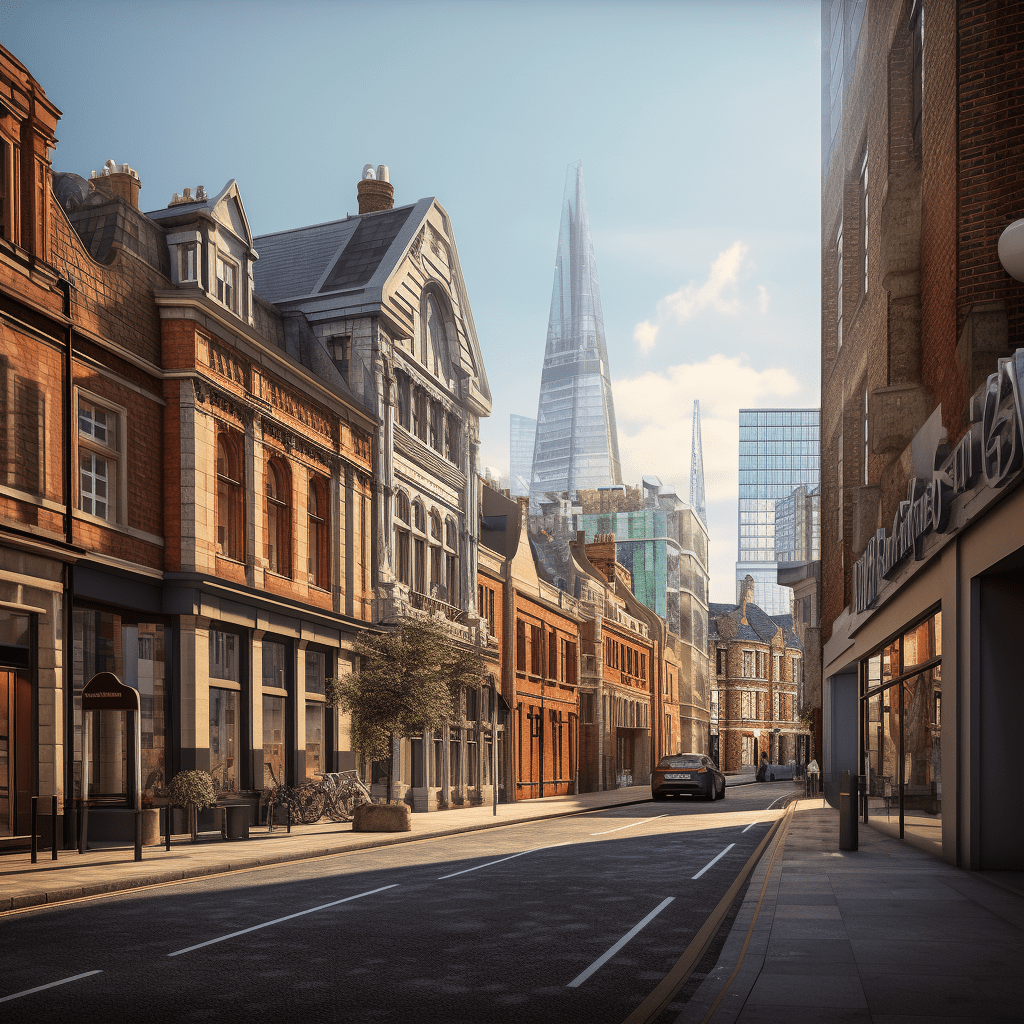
888, 934
112, 869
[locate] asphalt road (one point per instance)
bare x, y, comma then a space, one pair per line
517, 924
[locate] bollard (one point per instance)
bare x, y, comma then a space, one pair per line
138, 835
289, 805
35, 828
83, 834
848, 811
167, 845
53, 827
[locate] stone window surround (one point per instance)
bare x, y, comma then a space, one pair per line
116, 454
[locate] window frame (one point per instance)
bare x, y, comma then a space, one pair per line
279, 516
318, 527
234, 515
226, 293
114, 453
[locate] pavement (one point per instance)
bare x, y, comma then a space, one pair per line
888, 934
113, 869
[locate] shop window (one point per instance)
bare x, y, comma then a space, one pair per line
99, 459
275, 665
316, 671
224, 655
224, 739
315, 736
273, 741
230, 533
279, 518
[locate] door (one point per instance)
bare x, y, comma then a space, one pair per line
16, 776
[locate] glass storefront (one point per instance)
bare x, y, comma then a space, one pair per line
314, 739
135, 653
224, 739
273, 741
901, 724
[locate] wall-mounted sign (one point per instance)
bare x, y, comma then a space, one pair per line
105, 692
993, 448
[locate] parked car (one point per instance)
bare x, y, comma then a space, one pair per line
687, 775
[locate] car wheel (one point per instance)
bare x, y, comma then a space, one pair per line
723, 790
713, 792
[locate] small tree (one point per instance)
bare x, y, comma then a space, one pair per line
408, 683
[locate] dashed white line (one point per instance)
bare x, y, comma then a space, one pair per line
630, 825
604, 958
279, 920
53, 984
490, 863
751, 825
712, 863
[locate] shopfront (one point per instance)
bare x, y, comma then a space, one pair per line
923, 693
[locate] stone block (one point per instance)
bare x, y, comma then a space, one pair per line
382, 818
895, 414
983, 339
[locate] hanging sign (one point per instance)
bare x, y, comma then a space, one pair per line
105, 692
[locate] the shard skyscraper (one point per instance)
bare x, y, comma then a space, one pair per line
577, 446
697, 500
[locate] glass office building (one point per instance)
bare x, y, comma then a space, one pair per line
522, 432
780, 450
577, 446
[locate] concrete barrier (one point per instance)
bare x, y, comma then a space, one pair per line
382, 818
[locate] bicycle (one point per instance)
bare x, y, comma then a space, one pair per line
336, 794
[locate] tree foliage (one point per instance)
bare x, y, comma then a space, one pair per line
407, 683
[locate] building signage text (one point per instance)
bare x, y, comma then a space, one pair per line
992, 448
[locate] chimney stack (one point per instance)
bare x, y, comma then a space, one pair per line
118, 180
375, 192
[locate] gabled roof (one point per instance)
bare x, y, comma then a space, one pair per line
339, 256
760, 627
227, 203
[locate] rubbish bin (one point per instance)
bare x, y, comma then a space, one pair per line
237, 819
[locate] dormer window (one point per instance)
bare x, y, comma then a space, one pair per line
227, 276
188, 262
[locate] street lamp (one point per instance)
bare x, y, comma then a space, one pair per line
1011, 250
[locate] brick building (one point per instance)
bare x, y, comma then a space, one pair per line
921, 423
758, 662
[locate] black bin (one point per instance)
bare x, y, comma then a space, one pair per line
237, 819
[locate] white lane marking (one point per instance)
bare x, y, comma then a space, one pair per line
53, 984
490, 863
712, 863
278, 920
630, 825
603, 959
751, 825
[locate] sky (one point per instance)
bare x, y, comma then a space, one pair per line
697, 124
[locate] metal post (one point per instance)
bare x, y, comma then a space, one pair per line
167, 846
53, 827
494, 745
138, 835
35, 828
288, 804
83, 832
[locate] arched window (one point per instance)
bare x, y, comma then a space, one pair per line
419, 544
318, 550
230, 535
437, 579
402, 563
279, 518
451, 561
436, 357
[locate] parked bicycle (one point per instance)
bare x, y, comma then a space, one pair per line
334, 794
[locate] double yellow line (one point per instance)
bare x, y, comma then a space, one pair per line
654, 1005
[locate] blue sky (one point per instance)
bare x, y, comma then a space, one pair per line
697, 124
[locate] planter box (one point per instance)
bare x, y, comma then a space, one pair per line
382, 818
117, 825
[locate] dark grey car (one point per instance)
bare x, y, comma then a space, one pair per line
687, 775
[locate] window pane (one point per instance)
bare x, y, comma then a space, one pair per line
275, 664
314, 739
922, 757
273, 740
224, 649
224, 743
316, 671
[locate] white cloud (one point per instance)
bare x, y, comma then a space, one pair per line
654, 413
763, 299
718, 293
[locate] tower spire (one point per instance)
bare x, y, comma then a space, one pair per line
577, 445
697, 501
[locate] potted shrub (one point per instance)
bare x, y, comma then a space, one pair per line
194, 791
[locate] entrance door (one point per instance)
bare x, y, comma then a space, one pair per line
15, 752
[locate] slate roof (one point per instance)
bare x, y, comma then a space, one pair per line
292, 262
760, 628
366, 248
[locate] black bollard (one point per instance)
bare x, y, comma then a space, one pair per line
848, 811
289, 806
53, 827
138, 835
167, 845
35, 828
83, 834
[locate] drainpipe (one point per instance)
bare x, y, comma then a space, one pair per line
70, 840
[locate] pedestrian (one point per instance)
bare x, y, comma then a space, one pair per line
762, 771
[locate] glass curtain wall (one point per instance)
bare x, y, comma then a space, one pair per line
901, 727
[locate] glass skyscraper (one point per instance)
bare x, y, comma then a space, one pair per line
522, 432
577, 446
779, 451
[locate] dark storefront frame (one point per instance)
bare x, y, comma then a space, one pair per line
875, 783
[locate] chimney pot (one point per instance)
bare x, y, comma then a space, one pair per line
375, 192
